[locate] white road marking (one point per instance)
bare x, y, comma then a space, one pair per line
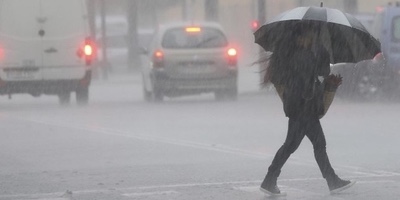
150, 193
55, 199
248, 188
51, 199
377, 181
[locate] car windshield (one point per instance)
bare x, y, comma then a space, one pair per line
181, 38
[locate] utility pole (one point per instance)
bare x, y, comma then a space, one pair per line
133, 44
211, 10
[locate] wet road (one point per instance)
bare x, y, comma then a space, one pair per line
120, 147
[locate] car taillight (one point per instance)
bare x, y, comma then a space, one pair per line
232, 56
232, 52
158, 59
87, 51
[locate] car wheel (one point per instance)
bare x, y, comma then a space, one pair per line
82, 95
157, 94
64, 98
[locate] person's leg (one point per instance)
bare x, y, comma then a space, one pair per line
317, 138
294, 137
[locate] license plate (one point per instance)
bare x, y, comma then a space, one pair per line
20, 74
200, 69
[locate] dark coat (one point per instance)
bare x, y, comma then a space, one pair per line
303, 94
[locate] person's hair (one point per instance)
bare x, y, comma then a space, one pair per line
263, 60
276, 69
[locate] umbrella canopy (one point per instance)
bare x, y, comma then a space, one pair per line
345, 38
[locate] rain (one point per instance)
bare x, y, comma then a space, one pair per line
97, 104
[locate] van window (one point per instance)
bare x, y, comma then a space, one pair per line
180, 38
396, 29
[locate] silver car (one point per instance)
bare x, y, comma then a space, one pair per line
187, 59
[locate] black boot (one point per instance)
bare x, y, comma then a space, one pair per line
268, 186
337, 184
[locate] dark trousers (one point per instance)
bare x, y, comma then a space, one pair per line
298, 128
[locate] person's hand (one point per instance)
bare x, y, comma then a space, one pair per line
332, 82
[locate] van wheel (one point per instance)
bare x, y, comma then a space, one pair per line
82, 95
146, 94
64, 98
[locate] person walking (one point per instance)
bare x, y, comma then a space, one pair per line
294, 71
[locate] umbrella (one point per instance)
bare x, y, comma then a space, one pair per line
345, 38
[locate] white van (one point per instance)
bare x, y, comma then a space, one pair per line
45, 48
